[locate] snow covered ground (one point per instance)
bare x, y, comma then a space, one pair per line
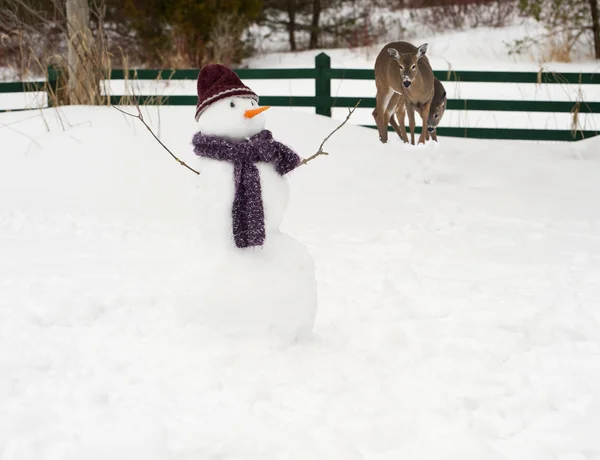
458, 286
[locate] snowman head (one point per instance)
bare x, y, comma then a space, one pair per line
226, 107
234, 118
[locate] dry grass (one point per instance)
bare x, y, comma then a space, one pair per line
35, 41
29, 56
558, 49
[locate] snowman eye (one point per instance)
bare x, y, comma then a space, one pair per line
231, 104
253, 103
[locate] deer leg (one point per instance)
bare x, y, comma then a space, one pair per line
390, 110
401, 116
420, 111
424, 116
434, 134
374, 114
400, 127
392, 119
411, 122
381, 107
395, 126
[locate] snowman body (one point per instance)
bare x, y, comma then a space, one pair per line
259, 290
216, 182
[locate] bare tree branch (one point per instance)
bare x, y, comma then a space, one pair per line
140, 117
321, 151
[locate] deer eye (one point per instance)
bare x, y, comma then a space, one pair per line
401, 67
231, 104
436, 115
414, 66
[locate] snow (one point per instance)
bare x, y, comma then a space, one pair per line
458, 289
268, 293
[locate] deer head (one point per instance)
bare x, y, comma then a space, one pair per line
438, 106
408, 63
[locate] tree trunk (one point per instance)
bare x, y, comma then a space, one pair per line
315, 25
595, 27
83, 85
291, 7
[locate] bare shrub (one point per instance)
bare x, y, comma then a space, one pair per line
558, 46
23, 46
571, 27
558, 49
440, 15
181, 55
225, 43
375, 25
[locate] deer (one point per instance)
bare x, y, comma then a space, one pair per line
404, 78
436, 112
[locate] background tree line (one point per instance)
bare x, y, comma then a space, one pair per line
178, 32
189, 33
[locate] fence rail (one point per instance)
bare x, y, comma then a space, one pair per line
323, 101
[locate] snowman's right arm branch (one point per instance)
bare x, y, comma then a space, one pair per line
321, 151
140, 117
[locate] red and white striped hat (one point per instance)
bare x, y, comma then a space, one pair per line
215, 82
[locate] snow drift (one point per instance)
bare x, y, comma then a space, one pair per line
458, 299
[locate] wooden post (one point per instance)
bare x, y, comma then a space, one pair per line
83, 86
323, 85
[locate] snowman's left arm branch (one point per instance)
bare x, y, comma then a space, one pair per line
321, 151
140, 117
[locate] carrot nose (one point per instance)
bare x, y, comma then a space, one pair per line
253, 112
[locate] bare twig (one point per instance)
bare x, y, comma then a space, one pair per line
140, 117
321, 151
7, 125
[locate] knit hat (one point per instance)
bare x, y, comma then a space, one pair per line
215, 82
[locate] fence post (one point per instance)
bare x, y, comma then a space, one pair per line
323, 85
56, 85
51, 84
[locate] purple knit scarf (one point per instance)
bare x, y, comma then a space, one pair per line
247, 211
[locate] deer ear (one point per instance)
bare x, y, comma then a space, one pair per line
421, 51
394, 54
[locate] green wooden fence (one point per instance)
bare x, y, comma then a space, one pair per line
323, 101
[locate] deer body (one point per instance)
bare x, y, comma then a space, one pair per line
436, 112
404, 78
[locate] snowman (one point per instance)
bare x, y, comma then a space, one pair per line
257, 280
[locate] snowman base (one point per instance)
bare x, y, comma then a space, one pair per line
264, 291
